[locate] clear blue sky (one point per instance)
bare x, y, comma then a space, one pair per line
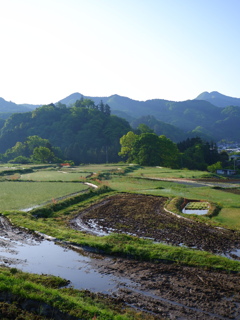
142, 49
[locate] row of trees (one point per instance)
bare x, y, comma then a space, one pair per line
34, 149
146, 148
88, 103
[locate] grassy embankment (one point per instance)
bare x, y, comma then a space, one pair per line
28, 292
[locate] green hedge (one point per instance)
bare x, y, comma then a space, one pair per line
10, 172
48, 210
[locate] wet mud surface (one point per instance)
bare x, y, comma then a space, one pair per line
145, 216
177, 292
10, 232
168, 291
164, 291
9, 235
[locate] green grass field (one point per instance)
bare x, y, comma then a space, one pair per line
52, 175
229, 217
161, 172
137, 180
120, 177
19, 195
172, 189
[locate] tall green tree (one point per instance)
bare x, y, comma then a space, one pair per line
169, 153
147, 150
127, 144
42, 155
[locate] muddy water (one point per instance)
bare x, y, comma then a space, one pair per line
160, 289
46, 257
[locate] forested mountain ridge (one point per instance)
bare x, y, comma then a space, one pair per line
86, 133
190, 117
218, 99
11, 107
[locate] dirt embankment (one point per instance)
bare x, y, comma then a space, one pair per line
145, 216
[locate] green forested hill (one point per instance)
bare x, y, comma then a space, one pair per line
193, 117
176, 120
84, 133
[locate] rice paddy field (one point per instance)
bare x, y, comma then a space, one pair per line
53, 175
17, 195
21, 189
229, 217
47, 183
145, 180
162, 172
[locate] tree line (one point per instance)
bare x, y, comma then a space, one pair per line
88, 133
148, 149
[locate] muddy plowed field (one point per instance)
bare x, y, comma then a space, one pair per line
168, 291
145, 216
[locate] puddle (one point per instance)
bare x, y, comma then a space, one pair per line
48, 258
198, 212
234, 254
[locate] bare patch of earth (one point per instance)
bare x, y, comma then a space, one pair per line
171, 291
168, 291
9, 231
144, 216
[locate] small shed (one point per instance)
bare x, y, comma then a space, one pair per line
228, 172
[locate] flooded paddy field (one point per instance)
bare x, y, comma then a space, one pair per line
165, 290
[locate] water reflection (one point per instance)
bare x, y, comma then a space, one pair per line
198, 212
48, 258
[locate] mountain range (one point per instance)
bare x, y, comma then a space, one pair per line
210, 115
